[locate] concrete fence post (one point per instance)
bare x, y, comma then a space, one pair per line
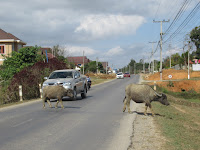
154, 85
20, 93
40, 90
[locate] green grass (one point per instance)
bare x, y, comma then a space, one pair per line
190, 96
180, 125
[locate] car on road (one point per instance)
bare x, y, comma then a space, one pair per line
120, 75
69, 79
127, 74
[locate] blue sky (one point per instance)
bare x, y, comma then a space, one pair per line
112, 30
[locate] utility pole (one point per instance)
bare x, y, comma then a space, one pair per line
83, 62
152, 54
160, 44
170, 57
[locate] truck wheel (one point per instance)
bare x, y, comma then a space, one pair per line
75, 95
84, 94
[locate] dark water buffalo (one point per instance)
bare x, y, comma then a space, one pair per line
140, 93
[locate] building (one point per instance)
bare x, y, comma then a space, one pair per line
78, 61
42, 51
9, 43
105, 64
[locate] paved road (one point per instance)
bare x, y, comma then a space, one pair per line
88, 124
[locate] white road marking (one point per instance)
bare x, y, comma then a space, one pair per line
22, 123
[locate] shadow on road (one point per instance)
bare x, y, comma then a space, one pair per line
148, 114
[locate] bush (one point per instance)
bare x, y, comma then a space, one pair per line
30, 78
26, 56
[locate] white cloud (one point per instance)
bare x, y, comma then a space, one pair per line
99, 26
78, 51
173, 51
115, 51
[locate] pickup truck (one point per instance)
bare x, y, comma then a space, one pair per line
69, 79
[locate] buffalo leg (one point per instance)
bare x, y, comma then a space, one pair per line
43, 103
59, 100
145, 111
151, 110
48, 101
127, 103
124, 105
57, 104
61, 104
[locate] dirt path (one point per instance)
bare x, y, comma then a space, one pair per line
146, 135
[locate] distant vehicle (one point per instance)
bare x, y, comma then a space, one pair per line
69, 79
120, 75
127, 74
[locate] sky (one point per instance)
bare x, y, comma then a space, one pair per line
115, 31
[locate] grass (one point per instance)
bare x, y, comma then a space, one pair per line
190, 96
180, 125
96, 80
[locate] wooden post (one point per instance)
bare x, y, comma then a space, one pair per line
40, 87
20, 93
154, 85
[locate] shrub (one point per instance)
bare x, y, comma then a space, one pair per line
25, 57
30, 78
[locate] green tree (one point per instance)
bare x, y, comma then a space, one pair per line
195, 37
26, 56
92, 67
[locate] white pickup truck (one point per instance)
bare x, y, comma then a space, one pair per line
70, 79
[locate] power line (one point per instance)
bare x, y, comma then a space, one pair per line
185, 22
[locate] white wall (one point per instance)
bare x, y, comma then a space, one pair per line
196, 67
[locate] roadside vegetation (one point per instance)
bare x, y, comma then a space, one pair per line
179, 122
180, 125
29, 66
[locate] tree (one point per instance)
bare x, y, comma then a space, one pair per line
195, 37
92, 67
26, 56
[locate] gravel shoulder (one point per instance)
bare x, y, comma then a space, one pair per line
146, 135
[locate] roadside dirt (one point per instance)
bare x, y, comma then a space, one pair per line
146, 135
176, 86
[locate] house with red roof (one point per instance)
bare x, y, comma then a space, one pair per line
78, 61
8, 43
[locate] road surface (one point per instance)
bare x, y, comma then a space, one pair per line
94, 123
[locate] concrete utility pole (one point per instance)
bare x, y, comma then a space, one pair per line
152, 54
160, 44
170, 59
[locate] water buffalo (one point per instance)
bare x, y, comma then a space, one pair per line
55, 92
140, 93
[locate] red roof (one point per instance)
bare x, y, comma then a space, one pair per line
78, 60
190, 62
4, 35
